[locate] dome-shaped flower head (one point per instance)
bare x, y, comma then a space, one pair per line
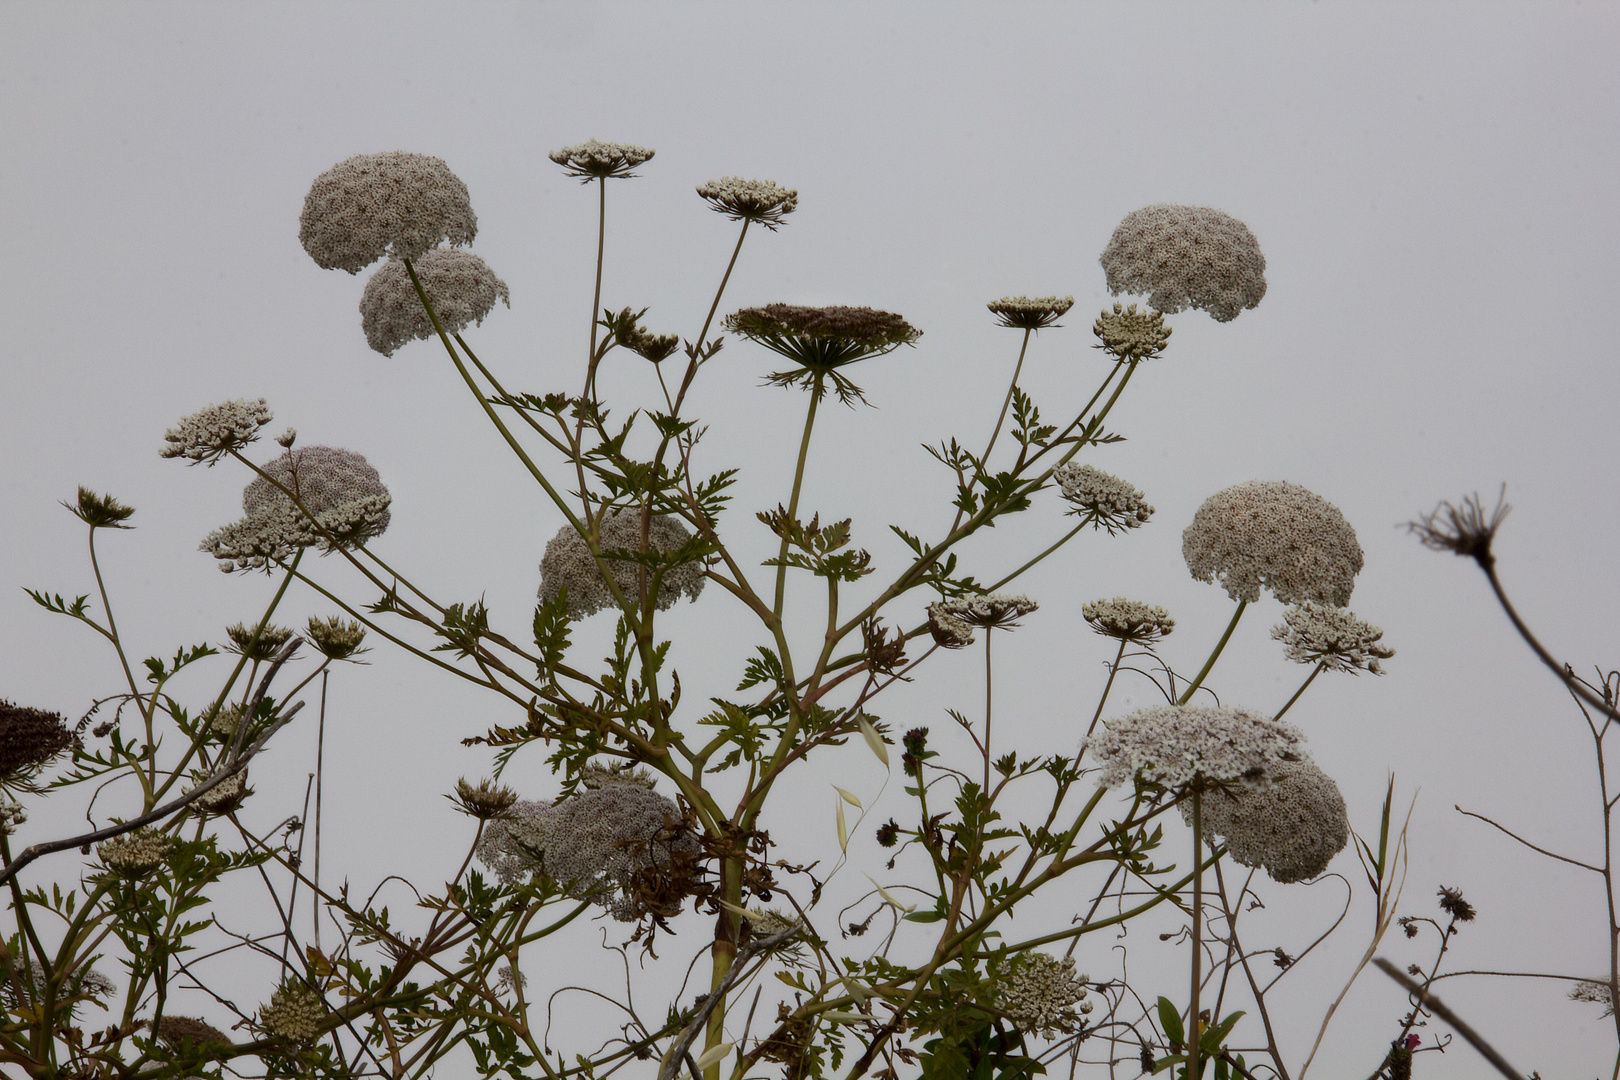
461, 288
822, 339
1186, 256
1128, 334
1106, 501
337, 488
376, 205
514, 843
1274, 534
750, 200
1333, 637
620, 846
1293, 826
568, 562
1128, 620
592, 160
1030, 313
1175, 746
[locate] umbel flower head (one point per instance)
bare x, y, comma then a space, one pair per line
1293, 826
1106, 501
29, 739
513, 844
592, 160
1176, 746
1128, 620
223, 798
209, 434
750, 200
1277, 535
820, 340
1596, 992
335, 639
1128, 334
177, 1032
100, 511
567, 563
461, 288
621, 847
136, 854
375, 205
271, 639
343, 502
1039, 993
1333, 637
952, 621
486, 800
295, 1013
82, 984
1186, 256
1030, 312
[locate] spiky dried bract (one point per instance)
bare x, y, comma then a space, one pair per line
375, 205
1128, 334
1104, 499
29, 739
592, 160
512, 845
1128, 620
344, 503
295, 1013
100, 511
1039, 993
750, 200
1453, 904
271, 639
135, 854
1596, 992
1332, 636
821, 340
1030, 312
334, 638
223, 798
1178, 745
1293, 826
1463, 530
1186, 256
1276, 535
177, 1032
209, 434
602, 844
460, 286
568, 562
486, 800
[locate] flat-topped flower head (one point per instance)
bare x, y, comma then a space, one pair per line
1128, 620
295, 1013
29, 739
1276, 535
822, 339
1106, 501
135, 854
607, 845
209, 434
1186, 256
592, 160
343, 502
372, 206
1128, 334
750, 200
459, 285
1030, 312
1333, 637
1039, 993
1176, 746
1292, 827
568, 563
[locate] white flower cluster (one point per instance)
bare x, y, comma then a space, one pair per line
592, 160
1108, 502
599, 841
1595, 992
12, 814
1332, 636
135, 854
1128, 620
750, 200
1177, 745
1274, 534
567, 562
512, 844
1293, 826
1039, 994
295, 1013
375, 205
1186, 256
461, 287
86, 982
1030, 312
1128, 334
225, 796
209, 434
344, 494
952, 621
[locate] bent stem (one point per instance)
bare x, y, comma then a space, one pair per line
1192, 688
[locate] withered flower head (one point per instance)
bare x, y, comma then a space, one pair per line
99, 511
1596, 992
888, 834
592, 160
821, 340
750, 200
1464, 530
375, 205
1453, 904
1030, 312
1127, 334
336, 639
271, 639
177, 1032
29, 739
485, 801
1186, 256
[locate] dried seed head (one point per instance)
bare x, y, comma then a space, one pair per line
1179, 745
568, 563
1030, 312
178, 1032
821, 340
592, 160
271, 639
209, 434
1596, 992
29, 739
1106, 501
1293, 826
375, 205
336, 639
1277, 535
1332, 636
1453, 904
750, 200
1127, 334
99, 511
1463, 530
1128, 620
459, 285
1186, 256
484, 801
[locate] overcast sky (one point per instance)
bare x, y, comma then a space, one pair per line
1433, 186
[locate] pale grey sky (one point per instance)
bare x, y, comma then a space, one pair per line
1432, 185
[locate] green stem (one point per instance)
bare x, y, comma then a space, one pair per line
793, 500
989, 632
1192, 687
1113, 670
596, 298
1006, 401
1197, 932
1302, 686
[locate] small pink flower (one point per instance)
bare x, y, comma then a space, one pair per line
1412, 1040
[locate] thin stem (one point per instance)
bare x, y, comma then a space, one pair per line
793, 501
320, 775
1546, 658
1006, 401
1113, 670
989, 632
596, 298
1192, 1031
1193, 686
1302, 686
